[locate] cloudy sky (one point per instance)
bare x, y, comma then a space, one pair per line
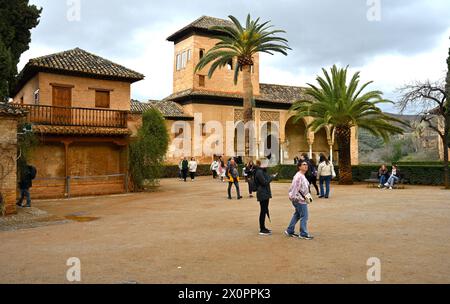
403, 41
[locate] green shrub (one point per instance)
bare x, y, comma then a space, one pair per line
148, 150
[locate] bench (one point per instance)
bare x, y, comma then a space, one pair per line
374, 181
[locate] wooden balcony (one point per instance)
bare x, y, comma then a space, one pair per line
76, 117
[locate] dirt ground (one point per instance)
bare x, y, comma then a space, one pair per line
190, 233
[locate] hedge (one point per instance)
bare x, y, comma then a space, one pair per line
418, 175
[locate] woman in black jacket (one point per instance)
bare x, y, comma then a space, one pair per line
263, 195
249, 176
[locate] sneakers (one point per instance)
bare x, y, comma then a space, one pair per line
265, 232
290, 234
386, 185
240, 197
306, 237
27, 206
380, 186
390, 188
19, 205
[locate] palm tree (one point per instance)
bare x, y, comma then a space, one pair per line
342, 106
238, 44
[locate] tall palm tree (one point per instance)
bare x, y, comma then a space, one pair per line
238, 44
343, 106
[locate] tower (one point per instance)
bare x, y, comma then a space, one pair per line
191, 43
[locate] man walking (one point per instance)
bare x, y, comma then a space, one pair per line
233, 178
184, 168
300, 197
26, 178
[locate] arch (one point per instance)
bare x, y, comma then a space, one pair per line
295, 139
321, 144
270, 141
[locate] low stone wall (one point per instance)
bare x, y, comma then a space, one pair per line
8, 166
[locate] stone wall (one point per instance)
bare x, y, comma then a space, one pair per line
8, 167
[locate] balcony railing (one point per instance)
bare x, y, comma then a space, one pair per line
72, 116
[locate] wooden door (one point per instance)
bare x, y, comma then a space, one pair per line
62, 97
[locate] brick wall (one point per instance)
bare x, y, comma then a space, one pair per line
222, 80
83, 94
8, 154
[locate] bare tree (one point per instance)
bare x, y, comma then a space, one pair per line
430, 101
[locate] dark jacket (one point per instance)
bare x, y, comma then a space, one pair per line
383, 172
26, 179
184, 165
263, 180
250, 171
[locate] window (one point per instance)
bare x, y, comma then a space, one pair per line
102, 99
230, 65
202, 53
201, 81
179, 131
183, 59
189, 55
203, 126
178, 64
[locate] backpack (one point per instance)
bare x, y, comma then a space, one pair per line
254, 183
33, 172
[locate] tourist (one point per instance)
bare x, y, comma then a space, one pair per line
311, 175
192, 168
26, 182
383, 175
222, 169
393, 178
214, 168
325, 174
296, 160
299, 195
249, 172
180, 169
263, 195
233, 179
184, 168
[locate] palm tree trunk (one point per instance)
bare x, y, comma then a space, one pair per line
248, 107
343, 136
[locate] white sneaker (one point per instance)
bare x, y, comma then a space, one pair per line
386, 185
390, 188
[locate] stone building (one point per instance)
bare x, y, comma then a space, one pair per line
78, 104
9, 118
218, 99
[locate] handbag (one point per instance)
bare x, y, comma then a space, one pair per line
333, 173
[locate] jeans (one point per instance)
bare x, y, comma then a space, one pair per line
327, 181
236, 184
383, 180
301, 214
392, 180
184, 173
262, 215
23, 193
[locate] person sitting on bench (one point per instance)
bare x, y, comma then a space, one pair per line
394, 178
383, 175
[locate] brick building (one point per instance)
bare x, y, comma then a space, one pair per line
78, 104
219, 99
